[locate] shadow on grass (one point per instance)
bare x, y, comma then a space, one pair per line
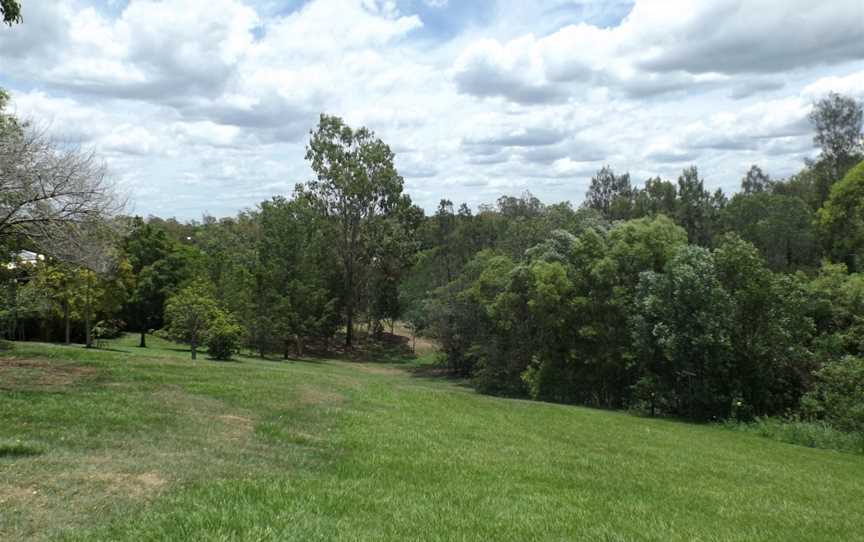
16, 449
437, 371
387, 349
108, 349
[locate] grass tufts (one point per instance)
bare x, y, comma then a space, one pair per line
812, 434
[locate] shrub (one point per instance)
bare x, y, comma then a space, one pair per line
161, 334
108, 329
223, 337
838, 395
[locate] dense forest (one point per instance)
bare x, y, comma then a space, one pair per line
666, 298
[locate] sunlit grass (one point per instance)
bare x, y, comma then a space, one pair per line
144, 444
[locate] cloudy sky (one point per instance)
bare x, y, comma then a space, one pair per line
206, 105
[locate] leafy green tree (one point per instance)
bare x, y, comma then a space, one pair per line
189, 314
356, 184
697, 208
443, 238
227, 251
21, 299
223, 337
682, 323
838, 121
389, 260
780, 226
657, 197
10, 11
584, 353
299, 284
836, 397
802, 185
770, 327
841, 220
93, 292
755, 181
458, 316
837, 307
610, 194
58, 281
157, 268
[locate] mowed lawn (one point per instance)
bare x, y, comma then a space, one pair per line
132, 444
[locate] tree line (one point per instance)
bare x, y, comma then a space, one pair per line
665, 297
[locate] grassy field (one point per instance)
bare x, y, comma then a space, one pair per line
132, 444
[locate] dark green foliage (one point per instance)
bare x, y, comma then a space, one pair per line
358, 189
657, 197
841, 220
108, 329
297, 287
682, 334
780, 226
837, 395
10, 10
756, 181
610, 194
190, 312
838, 121
158, 266
697, 208
837, 307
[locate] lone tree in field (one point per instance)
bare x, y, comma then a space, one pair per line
188, 314
356, 186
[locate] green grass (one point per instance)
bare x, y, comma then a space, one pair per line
136, 444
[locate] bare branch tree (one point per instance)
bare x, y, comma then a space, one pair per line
46, 186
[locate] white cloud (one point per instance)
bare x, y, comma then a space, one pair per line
666, 45
851, 85
206, 104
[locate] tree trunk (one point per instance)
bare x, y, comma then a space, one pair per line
298, 341
194, 344
66, 322
349, 324
144, 322
349, 305
88, 337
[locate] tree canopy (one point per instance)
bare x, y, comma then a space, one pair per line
10, 11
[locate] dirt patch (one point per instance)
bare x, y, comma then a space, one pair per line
130, 485
18, 374
378, 369
315, 396
236, 426
425, 346
16, 493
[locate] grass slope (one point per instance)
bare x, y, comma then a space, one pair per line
132, 444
